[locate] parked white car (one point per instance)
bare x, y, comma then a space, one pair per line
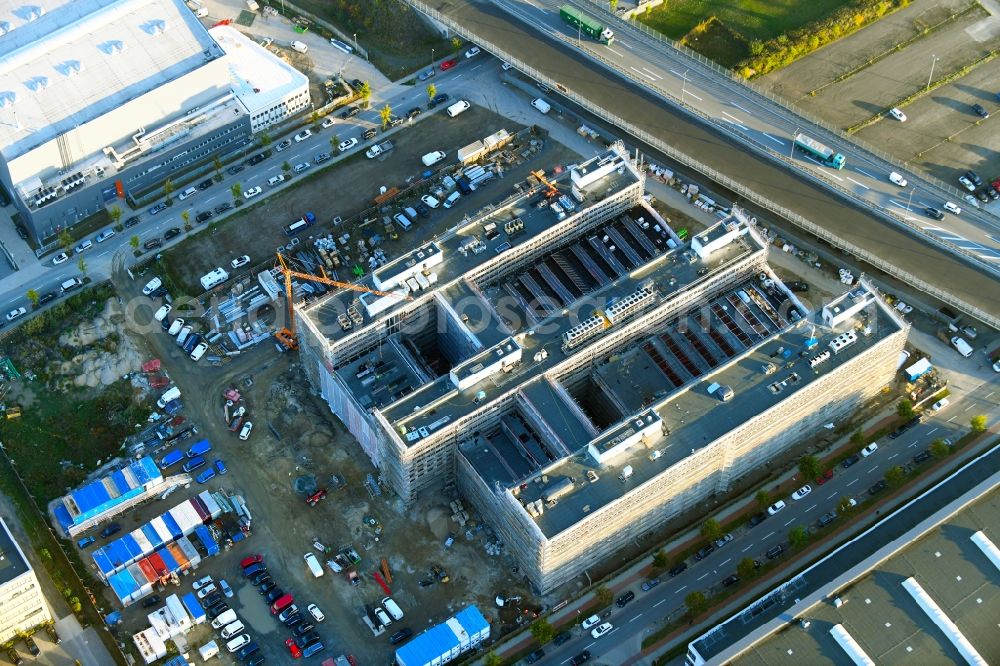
347, 145
240, 261
202, 582
238, 642
430, 201
897, 114
162, 313
245, 431
869, 450
802, 492
591, 621
15, 313
776, 507
472, 53
316, 613
940, 404
207, 590
152, 286
601, 630
252, 192
303, 135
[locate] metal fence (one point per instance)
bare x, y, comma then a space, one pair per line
740, 189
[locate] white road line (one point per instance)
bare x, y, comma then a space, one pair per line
769, 535
691, 94
642, 73
652, 73
772, 138
912, 445
832, 496
857, 183
726, 560
893, 456
726, 113
679, 590
968, 408
703, 576
789, 522
741, 108
810, 508
833, 175
990, 394
617, 53
587, 647
873, 469
747, 548
851, 483
952, 419
658, 603
932, 431
679, 75
864, 172
636, 617
626, 46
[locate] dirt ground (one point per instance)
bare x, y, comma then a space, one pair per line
346, 189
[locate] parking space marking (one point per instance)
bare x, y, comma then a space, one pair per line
587, 647
990, 394
658, 603
968, 408
858, 183
772, 138
912, 445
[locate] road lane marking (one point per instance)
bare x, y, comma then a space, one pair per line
893, 456
747, 548
617, 53
789, 522
691, 94
659, 603
857, 183
741, 108
769, 534
681, 589
636, 617
873, 469
810, 508
642, 73
832, 496
864, 172
679, 75
704, 575
625, 45
652, 72
772, 138
833, 175
724, 561
931, 432
912, 445
990, 394
726, 113
852, 482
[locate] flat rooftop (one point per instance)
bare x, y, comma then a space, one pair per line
13, 563
258, 77
672, 371
884, 619
66, 63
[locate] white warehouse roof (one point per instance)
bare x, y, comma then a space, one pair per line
62, 64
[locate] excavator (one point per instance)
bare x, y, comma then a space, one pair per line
286, 335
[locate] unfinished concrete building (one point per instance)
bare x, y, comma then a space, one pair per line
584, 374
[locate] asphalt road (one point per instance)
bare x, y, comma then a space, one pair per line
650, 113
632, 622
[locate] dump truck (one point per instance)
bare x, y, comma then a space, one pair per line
379, 149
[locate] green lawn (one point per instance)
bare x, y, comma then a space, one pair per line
753, 19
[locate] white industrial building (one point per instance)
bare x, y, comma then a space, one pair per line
22, 606
101, 99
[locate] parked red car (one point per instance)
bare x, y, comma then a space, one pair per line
448, 64
294, 649
251, 559
314, 499
824, 477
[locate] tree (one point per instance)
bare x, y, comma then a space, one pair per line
798, 536
746, 568
492, 659
456, 43
134, 242
603, 596
809, 467
696, 603
763, 498
286, 167
978, 423
385, 115
82, 265
116, 214
237, 191
905, 409
265, 139
33, 297
65, 239
895, 476
939, 449
844, 506
613, 4
431, 91
365, 93
711, 529
660, 560
542, 631
334, 142
217, 163
168, 188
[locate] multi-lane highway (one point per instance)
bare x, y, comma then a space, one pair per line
736, 108
528, 39
633, 622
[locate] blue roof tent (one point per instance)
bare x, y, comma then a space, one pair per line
193, 607
152, 535
205, 536
172, 525
103, 494
168, 559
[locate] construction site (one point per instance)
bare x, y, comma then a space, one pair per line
581, 371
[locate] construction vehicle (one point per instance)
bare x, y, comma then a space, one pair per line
286, 335
550, 190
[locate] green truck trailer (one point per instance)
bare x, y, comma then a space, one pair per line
586, 25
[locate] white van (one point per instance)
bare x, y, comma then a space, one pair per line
199, 351
182, 336
226, 618
232, 629
70, 285
209, 649
168, 395
314, 565
432, 158
176, 326
392, 608
458, 107
541, 105
962, 346
452, 198
213, 278
191, 191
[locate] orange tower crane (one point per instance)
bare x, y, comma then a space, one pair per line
286, 335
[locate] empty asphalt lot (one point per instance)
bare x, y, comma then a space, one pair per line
787, 189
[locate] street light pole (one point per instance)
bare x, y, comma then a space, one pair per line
791, 151
934, 60
910, 200
684, 80
432, 57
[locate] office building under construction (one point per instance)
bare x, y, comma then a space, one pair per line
582, 371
